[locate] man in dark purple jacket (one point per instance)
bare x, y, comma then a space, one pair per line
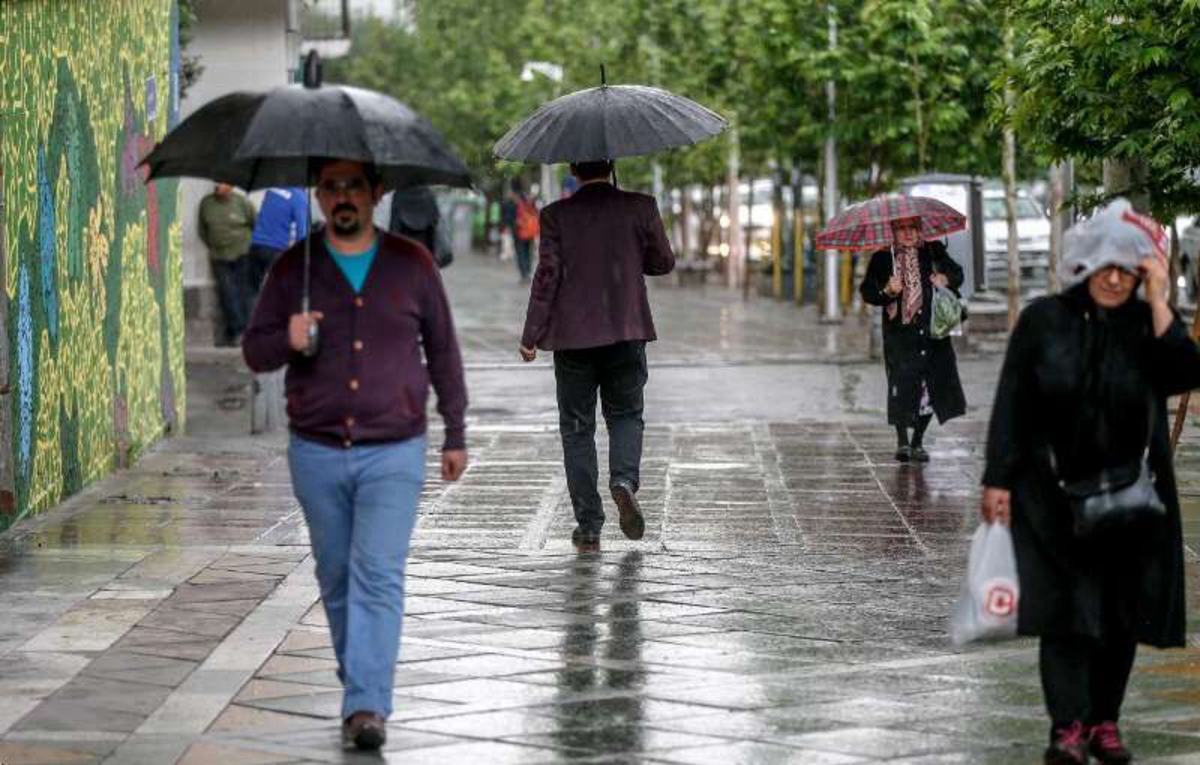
588, 304
356, 410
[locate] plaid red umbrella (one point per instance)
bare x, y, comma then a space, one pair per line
868, 224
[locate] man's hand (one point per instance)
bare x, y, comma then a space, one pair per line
996, 507
298, 329
940, 280
528, 354
894, 286
454, 464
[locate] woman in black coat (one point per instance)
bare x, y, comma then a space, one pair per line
922, 372
1086, 377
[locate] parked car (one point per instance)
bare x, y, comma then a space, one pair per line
1033, 240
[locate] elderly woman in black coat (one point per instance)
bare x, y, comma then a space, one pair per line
922, 372
1083, 390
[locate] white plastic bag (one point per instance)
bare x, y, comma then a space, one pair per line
987, 607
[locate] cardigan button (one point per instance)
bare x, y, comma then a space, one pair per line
354, 384
358, 302
349, 422
358, 345
347, 443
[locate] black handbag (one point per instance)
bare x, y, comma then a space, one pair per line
1115, 498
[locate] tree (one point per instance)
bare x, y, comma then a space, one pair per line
1115, 81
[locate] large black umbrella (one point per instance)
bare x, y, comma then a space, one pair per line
608, 122
257, 140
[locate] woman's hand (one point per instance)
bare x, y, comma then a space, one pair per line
940, 280
894, 286
996, 507
1156, 277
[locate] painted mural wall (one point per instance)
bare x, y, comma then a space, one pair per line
92, 272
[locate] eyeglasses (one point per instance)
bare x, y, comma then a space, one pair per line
334, 187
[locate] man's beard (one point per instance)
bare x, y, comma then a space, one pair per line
346, 229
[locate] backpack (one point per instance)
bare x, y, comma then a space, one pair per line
527, 221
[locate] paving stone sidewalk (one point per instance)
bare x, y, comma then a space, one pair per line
788, 604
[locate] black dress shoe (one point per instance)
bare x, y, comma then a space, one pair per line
364, 730
918, 454
633, 524
585, 541
903, 454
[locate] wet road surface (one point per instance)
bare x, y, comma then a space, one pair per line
787, 605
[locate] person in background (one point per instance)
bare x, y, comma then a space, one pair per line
519, 218
922, 371
226, 221
1083, 393
415, 214
282, 220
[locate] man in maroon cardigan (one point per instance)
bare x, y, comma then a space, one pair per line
588, 304
356, 410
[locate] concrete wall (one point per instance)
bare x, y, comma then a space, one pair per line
92, 273
243, 45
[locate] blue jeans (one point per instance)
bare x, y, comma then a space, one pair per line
361, 505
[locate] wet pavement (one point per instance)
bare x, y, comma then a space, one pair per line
787, 605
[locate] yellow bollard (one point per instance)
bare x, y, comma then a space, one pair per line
777, 257
798, 255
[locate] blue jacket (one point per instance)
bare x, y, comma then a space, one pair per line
282, 208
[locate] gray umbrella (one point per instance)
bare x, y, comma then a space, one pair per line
608, 122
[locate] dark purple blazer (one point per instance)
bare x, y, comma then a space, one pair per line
368, 382
589, 290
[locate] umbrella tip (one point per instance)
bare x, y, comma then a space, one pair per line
603, 78
312, 69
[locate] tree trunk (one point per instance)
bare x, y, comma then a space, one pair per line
1010, 195
735, 261
1127, 178
797, 233
685, 222
1057, 194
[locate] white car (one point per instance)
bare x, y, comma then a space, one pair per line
1033, 239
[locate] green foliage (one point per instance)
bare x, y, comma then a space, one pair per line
913, 76
1115, 80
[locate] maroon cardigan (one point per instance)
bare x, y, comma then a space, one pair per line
367, 383
589, 290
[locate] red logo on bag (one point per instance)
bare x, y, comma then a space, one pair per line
1000, 600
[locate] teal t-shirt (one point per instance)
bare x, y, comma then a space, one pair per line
354, 265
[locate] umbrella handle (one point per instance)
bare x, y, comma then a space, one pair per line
314, 336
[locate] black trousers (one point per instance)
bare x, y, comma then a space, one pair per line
619, 373
524, 250
231, 291
1084, 679
258, 262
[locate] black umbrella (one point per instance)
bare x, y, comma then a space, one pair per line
608, 122
257, 140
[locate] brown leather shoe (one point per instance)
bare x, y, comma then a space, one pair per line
365, 730
633, 524
585, 541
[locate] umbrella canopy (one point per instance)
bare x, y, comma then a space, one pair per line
868, 224
609, 122
257, 140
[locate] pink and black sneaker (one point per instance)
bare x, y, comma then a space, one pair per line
1069, 746
1104, 742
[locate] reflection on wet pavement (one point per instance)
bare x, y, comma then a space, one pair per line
787, 605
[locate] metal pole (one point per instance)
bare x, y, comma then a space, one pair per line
832, 258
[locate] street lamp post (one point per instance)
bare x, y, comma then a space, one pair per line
553, 72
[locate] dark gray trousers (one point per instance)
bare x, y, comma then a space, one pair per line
618, 372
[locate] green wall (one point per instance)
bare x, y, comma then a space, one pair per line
93, 270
